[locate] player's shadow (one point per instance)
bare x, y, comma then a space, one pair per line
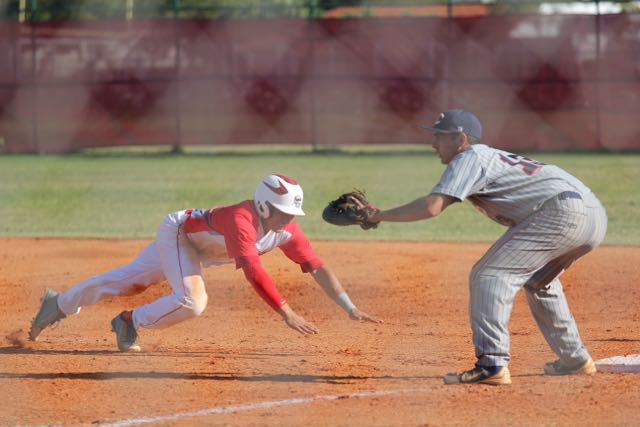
203, 376
208, 376
214, 353
27, 351
616, 340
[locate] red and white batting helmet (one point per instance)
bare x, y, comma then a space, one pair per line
281, 192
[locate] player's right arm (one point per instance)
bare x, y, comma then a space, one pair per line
239, 227
264, 286
422, 208
297, 322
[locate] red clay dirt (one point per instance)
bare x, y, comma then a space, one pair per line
240, 365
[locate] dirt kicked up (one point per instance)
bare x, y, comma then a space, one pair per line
238, 364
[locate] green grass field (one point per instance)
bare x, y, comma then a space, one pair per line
125, 193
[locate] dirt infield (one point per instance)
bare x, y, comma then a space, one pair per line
239, 364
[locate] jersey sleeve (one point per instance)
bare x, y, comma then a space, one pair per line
240, 232
261, 281
299, 250
463, 176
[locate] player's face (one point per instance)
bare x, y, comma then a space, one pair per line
277, 220
447, 145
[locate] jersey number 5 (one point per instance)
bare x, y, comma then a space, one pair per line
528, 166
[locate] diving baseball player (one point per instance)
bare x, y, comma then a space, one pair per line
190, 239
552, 219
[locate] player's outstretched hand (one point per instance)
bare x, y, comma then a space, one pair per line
357, 314
301, 325
297, 322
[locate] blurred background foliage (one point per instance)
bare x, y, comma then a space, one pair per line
55, 10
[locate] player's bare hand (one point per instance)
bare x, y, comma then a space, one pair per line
297, 322
357, 314
301, 325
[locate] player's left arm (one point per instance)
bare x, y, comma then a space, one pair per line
425, 207
299, 250
329, 282
463, 176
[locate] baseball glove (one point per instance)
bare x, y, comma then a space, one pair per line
350, 209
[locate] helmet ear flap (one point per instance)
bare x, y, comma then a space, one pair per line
263, 209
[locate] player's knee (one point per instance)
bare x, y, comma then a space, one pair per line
196, 302
199, 304
193, 307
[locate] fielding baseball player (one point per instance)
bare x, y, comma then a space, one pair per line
553, 219
190, 239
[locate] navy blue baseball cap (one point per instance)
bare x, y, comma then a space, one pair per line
457, 121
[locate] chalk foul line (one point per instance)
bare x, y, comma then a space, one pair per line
230, 409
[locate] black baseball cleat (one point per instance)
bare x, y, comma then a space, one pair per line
492, 375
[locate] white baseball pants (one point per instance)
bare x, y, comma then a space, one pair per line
169, 257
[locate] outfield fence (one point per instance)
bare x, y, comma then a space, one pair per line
538, 82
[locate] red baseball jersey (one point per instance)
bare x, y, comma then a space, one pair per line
234, 232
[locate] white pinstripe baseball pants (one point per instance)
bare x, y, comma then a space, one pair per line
533, 254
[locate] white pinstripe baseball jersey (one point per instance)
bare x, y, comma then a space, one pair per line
505, 186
